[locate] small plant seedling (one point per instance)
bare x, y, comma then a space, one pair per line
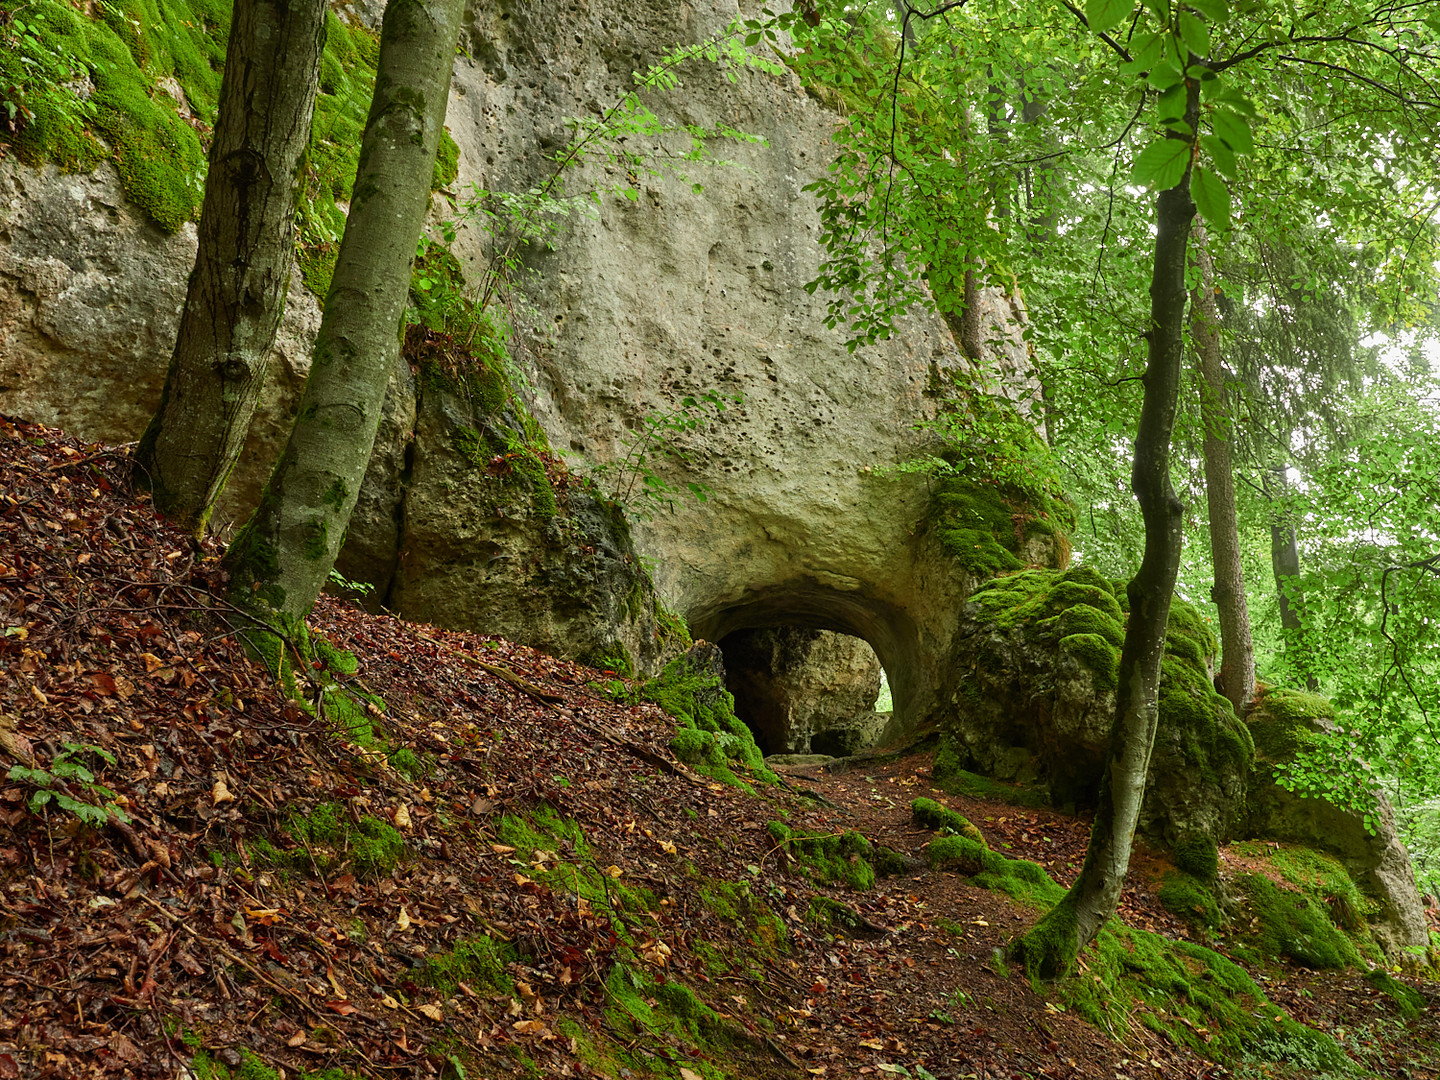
66, 771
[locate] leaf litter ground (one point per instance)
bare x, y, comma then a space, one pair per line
280, 884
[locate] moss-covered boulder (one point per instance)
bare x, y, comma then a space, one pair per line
1282, 722
989, 528
711, 738
1034, 696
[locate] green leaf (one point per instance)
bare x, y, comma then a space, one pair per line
1165, 75
1211, 196
1195, 34
1104, 15
1146, 50
1221, 156
1236, 101
1161, 164
1171, 105
1234, 129
1217, 11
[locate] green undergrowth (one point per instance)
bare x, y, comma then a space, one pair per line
831, 858
328, 838
711, 739
1195, 997
947, 775
252, 1067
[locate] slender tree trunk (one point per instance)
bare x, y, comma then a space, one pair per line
1041, 187
242, 268
1285, 565
1237, 655
280, 560
1049, 949
972, 342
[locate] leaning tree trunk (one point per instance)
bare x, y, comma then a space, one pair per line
281, 558
1237, 654
1050, 947
242, 268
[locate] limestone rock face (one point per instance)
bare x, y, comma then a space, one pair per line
1377, 861
90, 300
499, 542
1035, 701
804, 690
674, 293
680, 292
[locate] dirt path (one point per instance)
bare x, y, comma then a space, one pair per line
932, 990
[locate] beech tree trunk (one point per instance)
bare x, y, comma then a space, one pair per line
1050, 947
1237, 651
237, 290
1285, 565
281, 558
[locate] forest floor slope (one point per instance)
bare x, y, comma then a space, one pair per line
439, 854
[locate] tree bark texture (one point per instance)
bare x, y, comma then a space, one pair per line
242, 268
1285, 565
1050, 948
1237, 652
280, 560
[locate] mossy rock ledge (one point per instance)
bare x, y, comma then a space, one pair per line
1281, 722
1033, 697
496, 535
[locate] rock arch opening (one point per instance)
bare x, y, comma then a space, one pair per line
806, 664
804, 691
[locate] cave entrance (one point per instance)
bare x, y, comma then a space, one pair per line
770, 627
802, 690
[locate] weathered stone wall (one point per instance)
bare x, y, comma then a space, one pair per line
682, 292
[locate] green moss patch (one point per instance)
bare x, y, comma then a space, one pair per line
328, 838
478, 962
1290, 924
111, 84
691, 690
835, 858
1034, 631
1193, 996
985, 528
954, 780
1284, 722
1191, 898
929, 814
